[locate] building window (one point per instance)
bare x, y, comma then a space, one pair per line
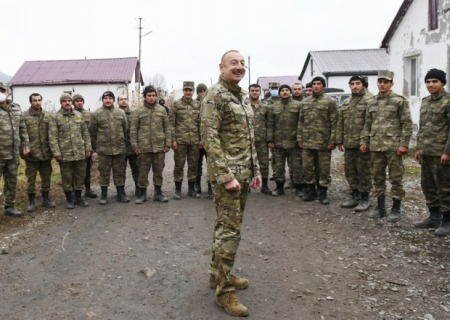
433, 14
312, 68
412, 76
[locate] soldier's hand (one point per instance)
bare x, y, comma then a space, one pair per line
88, 154
340, 147
137, 151
331, 147
445, 159
256, 183
417, 156
174, 146
200, 145
58, 158
26, 153
364, 148
402, 150
166, 149
232, 185
271, 145
300, 144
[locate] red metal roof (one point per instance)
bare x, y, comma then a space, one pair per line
77, 71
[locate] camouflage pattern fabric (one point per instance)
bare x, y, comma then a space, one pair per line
114, 163
201, 154
89, 164
435, 181
381, 160
8, 170
185, 152
13, 131
282, 123
261, 114
109, 130
45, 171
37, 128
184, 121
262, 152
130, 151
133, 161
294, 158
154, 161
72, 174
317, 161
357, 168
270, 101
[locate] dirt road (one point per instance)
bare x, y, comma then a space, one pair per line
150, 261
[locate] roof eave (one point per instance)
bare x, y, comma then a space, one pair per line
56, 83
305, 66
398, 18
351, 73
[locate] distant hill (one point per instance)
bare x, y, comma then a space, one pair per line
4, 77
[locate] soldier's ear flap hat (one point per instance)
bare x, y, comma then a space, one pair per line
77, 96
436, 74
65, 96
284, 86
322, 80
108, 94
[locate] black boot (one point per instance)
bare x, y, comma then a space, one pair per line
79, 201
69, 198
353, 201
311, 194
279, 191
323, 197
88, 192
103, 196
10, 211
142, 197
444, 228
46, 201
31, 204
177, 193
121, 194
290, 184
432, 222
136, 189
272, 177
210, 191
363, 203
159, 196
265, 188
299, 188
395, 215
380, 210
191, 190
198, 185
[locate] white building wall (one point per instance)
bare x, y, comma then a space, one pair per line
307, 76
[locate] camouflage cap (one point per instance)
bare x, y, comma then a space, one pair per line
4, 85
65, 96
188, 85
77, 96
386, 74
274, 85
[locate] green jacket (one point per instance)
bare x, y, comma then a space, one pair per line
261, 114
282, 124
184, 121
109, 130
433, 138
129, 114
38, 128
13, 131
150, 129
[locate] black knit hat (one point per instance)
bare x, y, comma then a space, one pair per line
108, 94
436, 74
360, 78
284, 86
321, 80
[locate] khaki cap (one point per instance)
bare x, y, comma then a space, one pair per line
274, 84
386, 74
4, 85
188, 85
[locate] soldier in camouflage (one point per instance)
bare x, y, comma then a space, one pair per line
273, 97
150, 139
316, 134
78, 103
308, 90
386, 133
39, 159
109, 129
282, 126
184, 121
14, 139
70, 144
433, 152
131, 157
357, 164
297, 92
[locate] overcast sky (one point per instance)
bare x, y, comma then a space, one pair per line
189, 37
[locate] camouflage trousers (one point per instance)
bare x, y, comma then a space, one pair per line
185, 152
8, 170
154, 161
358, 170
133, 161
435, 181
116, 163
230, 206
262, 152
394, 162
317, 163
72, 174
201, 154
45, 171
292, 156
89, 163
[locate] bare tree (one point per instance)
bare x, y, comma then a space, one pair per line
158, 81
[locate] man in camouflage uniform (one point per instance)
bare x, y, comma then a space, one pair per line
316, 134
273, 91
386, 133
185, 128
357, 164
433, 152
70, 144
228, 134
14, 138
40, 157
78, 103
108, 133
282, 125
131, 157
297, 92
150, 139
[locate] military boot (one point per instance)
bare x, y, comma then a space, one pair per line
31, 203
299, 190
79, 201
177, 193
279, 191
273, 177
230, 302
103, 196
380, 210
88, 192
238, 283
311, 194
198, 185
432, 222
10, 211
265, 188
136, 189
158, 195
323, 197
69, 200
142, 197
210, 192
444, 228
395, 215
290, 184
191, 190
353, 201
46, 201
122, 195
363, 203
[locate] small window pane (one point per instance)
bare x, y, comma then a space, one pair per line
414, 77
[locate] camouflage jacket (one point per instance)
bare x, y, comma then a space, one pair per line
129, 115
13, 131
433, 138
299, 99
271, 100
108, 131
282, 124
185, 121
69, 136
37, 128
317, 121
351, 120
261, 114
228, 134
150, 129
388, 123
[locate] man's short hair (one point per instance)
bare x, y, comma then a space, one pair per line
321, 79
34, 95
223, 56
309, 85
254, 85
298, 83
149, 89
